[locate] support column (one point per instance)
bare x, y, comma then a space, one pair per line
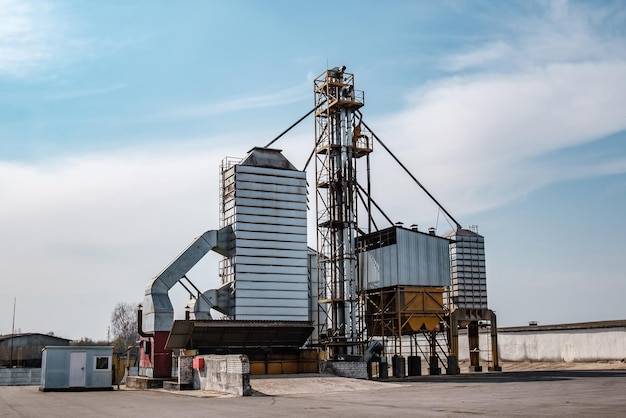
495, 354
433, 362
474, 348
453, 342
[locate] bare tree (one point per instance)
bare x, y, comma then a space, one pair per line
124, 326
88, 341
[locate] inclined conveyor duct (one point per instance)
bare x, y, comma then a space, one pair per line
158, 312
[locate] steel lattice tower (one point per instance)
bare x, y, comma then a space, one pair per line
339, 142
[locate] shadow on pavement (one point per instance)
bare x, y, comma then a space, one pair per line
503, 377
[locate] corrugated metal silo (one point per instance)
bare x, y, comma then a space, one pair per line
264, 199
403, 273
468, 289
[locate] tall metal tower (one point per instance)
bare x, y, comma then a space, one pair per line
339, 141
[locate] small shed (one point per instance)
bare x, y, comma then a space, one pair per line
76, 368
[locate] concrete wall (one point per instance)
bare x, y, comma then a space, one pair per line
20, 377
354, 369
228, 374
565, 345
185, 370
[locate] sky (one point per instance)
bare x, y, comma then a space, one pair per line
115, 117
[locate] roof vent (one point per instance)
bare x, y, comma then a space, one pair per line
267, 157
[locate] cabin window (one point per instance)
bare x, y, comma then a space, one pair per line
102, 363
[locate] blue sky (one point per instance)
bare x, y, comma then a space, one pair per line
114, 117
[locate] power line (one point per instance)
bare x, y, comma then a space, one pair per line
458, 225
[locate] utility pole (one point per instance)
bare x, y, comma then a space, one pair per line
12, 333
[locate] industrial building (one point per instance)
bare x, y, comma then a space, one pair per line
24, 350
365, 294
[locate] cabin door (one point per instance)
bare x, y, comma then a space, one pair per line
78, 366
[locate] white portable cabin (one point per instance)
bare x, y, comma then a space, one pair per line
76, 368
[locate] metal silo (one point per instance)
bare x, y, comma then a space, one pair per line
468, 288
468, 294
263, 198
403, 277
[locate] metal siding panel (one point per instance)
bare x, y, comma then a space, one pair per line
245, 268
229, 204
267, 252
273, 286
271, 220
428, 261
268, 236
270, 312
270, 228
229, 176
278, 245
468, 272
392, 257
405, 269
270, 277
273, 173
271, 268
271, 187
282, 181
279, 196
387, 259
283, 317
252, 300
370, 270
275, 212
415, 260
313, 288
433, 268
269, 203
270, 261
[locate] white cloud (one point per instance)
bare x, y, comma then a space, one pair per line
88, 232
289, 95
492, 52
27, 32
476, 139
560, 31
92, 230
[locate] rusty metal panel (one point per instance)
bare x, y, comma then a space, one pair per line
403, 310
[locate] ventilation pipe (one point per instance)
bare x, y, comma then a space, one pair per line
140, 323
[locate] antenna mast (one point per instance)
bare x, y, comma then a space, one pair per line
12, 332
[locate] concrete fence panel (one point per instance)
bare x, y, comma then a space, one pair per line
20, 377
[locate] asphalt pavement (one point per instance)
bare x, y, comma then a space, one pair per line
572, 393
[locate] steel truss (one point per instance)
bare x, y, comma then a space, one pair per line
339, 141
